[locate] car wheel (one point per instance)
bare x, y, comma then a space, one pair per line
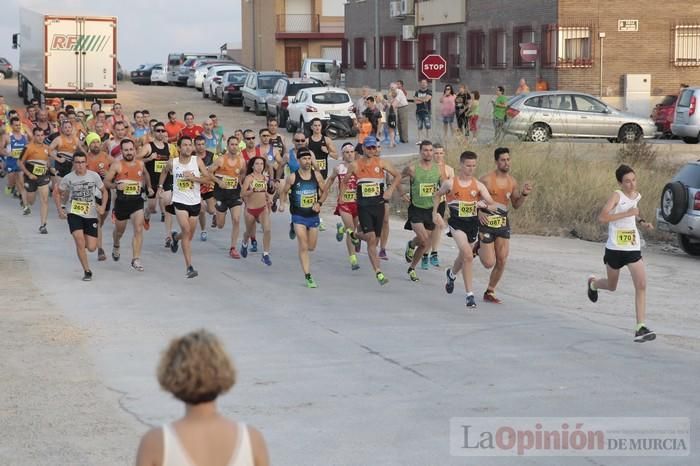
256, 110
539, 132
281, 120
204, 94
690, 140
290, 126
674, 202
225, 102
629, 133
688, 246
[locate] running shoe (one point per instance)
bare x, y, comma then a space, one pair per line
274, 205
355, 241
8, 191
592, 294
424, 265
450, 283
471, 302
310, 283
136, 265
87, 276
233, 253
434, 261
203, 236
147, 223
173, 242
115, 253
168, 242
43, 230
191, 272
409, 252
382, 255
339, 232
353, 263
321, 226
412, 275
26, 210
292, 233
490, 297
266, 259
644, 334
253, 245
382, 279
101, 256
244, 250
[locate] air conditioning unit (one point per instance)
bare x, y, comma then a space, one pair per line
408, 32
395, 9
407, 7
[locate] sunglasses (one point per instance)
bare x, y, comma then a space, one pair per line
250, 139
161, 131
370, 147
300, 140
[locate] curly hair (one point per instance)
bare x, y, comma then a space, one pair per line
195, 368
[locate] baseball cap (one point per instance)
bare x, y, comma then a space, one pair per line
370, 141
92, 137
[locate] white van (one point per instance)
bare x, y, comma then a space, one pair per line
317, 68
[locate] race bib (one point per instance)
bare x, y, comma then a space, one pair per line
16, 153
38, 170
625, 238
259, 185
159, 166
231, 182
132, 189
308, 200
350, 196
370, 189
467, 209
496, 221
426, 189
322, 164
184, 185
79, 207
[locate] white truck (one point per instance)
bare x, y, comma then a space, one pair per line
67, 56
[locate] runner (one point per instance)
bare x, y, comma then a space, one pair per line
173, 127
34, 163
78, 188
257, 193
465, 195
446, 173
370, 172
118, 116
250, 150
128, 177
141, 130
623, 248
306, 196
424, 177
291, 163
322, 148
190, 129
99, 162
114, 145
206, 189
494, 232
346, 206
188, 172
229, 170
211, 139
219, 131
15, 183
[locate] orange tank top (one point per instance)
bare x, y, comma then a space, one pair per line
36, 152
468, 193
98, 163
67, 146
500, 191
369, 170
230, 168
130, 171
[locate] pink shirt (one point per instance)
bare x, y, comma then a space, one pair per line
447, 106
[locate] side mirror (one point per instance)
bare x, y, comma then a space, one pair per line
15, 41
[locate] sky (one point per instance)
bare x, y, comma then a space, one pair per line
148, 30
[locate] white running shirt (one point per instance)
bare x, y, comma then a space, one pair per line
175, 455
184, 191
623, 234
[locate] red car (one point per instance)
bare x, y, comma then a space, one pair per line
663, 114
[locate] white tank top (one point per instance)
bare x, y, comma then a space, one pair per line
184, 191
175, 455
623, 234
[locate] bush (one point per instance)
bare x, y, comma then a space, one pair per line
637, 154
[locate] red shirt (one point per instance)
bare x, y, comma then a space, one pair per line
173, 130
192, 132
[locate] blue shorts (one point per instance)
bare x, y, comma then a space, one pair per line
448, 119
308, 222
11, 165
423, 121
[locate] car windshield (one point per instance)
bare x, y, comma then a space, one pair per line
292, 89
189, 62
174, 59
669, 100
331, 98
689, 175
319, 67
267, 82
236, 78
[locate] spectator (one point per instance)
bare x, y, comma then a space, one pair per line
361, 103
462, 102
422, 97
523, 88
473, 116
391, 117
401, 107
541, 84
334, 74
401, 87
196, 370
447, 110
373, 114
499, 104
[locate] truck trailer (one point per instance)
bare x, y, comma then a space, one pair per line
67, 56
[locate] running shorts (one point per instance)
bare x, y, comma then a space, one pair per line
469, 227
350, 208
226, 199
192, 210
371, 218
418, 215
124, 209
618, 259
32, 185
308, 222
87, 225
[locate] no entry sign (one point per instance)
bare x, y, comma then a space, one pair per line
434, 66
528, 52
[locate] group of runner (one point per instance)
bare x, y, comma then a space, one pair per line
190, 171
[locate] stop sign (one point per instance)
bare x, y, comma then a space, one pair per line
433, 66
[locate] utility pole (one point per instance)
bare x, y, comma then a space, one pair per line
377, 46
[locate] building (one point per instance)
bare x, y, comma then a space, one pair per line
281, 34
589, 46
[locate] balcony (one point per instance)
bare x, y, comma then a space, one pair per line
309, 27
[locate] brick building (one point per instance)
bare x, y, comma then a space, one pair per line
481, 40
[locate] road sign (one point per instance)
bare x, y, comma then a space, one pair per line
433, 66
528, 52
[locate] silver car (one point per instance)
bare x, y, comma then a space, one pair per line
257, 86
679, 211
686, 123
539, 116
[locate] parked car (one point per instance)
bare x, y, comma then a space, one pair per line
199, 71
142, 74
686, 123
229, 90
539, 116
663, 114
679, 211
318, 102
317, 68
159, 75
215, 76
284, 91
257, 86
5, 69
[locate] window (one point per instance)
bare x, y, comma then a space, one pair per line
567, 46
360, 58
389, 52
408, 55
497, 46
426, 46
587, 104
476, 55
522, 35
330, 98
686, 45
449, 49
345, 54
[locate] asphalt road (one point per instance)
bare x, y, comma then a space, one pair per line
350, 373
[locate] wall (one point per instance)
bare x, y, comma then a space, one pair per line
257, 53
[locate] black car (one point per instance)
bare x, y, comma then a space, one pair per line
230, 89
142, 75
282, 95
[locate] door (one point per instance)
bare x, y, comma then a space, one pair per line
62, 58
593, 118
99, 51
683, 107
292, 60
